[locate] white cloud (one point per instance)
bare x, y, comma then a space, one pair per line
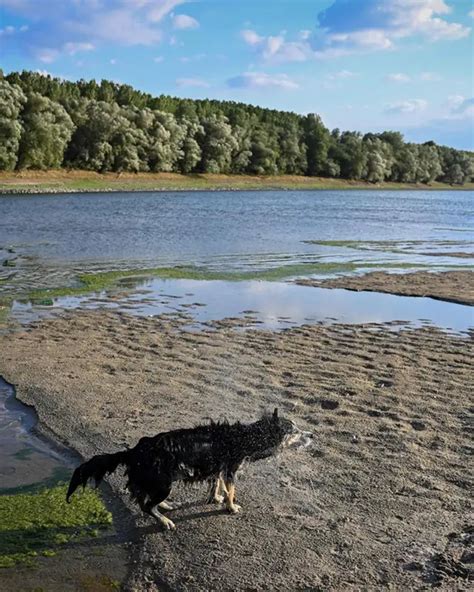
194, 58
261, 80
187, 82
466, 108
10, 29
73, 48
158, 59
336, 79
251, 37
77, 25
113, 61
304, 35
122, 27
459, 106
430, 77
47, 55
380, 25
399, 77
408, 106
183, 21
46, 74
361, 26
454, 101
342, 75
160, 8
451, 127
275, 48
471, 14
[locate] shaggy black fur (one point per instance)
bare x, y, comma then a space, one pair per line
211, 452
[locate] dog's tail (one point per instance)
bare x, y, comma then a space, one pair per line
96, 468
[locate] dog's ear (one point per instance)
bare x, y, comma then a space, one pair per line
275, 413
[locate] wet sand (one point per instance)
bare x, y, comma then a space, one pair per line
381, 501
451, 286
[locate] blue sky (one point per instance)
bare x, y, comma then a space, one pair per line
367, 65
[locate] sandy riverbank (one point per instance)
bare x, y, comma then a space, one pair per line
64, 181
381, 501
451, 286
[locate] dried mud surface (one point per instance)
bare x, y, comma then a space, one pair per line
452, 286
381, 502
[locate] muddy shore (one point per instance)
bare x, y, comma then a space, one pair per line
382, 501
451, 286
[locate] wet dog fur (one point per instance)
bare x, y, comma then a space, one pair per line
211, 453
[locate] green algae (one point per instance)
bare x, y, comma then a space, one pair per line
97, 282
37, 524
23, 454
393, 246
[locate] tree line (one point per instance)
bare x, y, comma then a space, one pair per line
47, 122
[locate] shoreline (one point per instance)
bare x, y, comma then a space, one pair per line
446, 286
106, 379
77, 181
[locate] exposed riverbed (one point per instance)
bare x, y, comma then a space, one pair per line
383, 380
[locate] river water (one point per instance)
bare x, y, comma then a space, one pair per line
244, 230
46, 240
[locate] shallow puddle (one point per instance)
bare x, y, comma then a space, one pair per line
25, 459
270, 305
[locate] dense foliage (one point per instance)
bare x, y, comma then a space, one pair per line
47, 123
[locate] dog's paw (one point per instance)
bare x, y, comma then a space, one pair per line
234, 508
169, 505
215, 499
168, 524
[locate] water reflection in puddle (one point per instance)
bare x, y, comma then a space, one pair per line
25, 459
271, 305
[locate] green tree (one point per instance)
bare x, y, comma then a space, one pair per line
191, 152
317, 141
12, 100
264, 148
47, 131
217, 144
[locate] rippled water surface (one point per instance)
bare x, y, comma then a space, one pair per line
237, 229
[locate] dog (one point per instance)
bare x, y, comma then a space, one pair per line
212, 453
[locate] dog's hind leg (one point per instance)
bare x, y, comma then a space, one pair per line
231, 506
214, 496
166, 522
156, 499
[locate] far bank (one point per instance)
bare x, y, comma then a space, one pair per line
62, 181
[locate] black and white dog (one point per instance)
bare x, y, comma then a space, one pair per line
212, 453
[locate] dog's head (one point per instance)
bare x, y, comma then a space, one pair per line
291, 435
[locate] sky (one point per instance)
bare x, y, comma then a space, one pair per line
367, 65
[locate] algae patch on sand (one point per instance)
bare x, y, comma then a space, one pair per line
37, 524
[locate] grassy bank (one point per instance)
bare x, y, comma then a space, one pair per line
38, 523
59, 181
